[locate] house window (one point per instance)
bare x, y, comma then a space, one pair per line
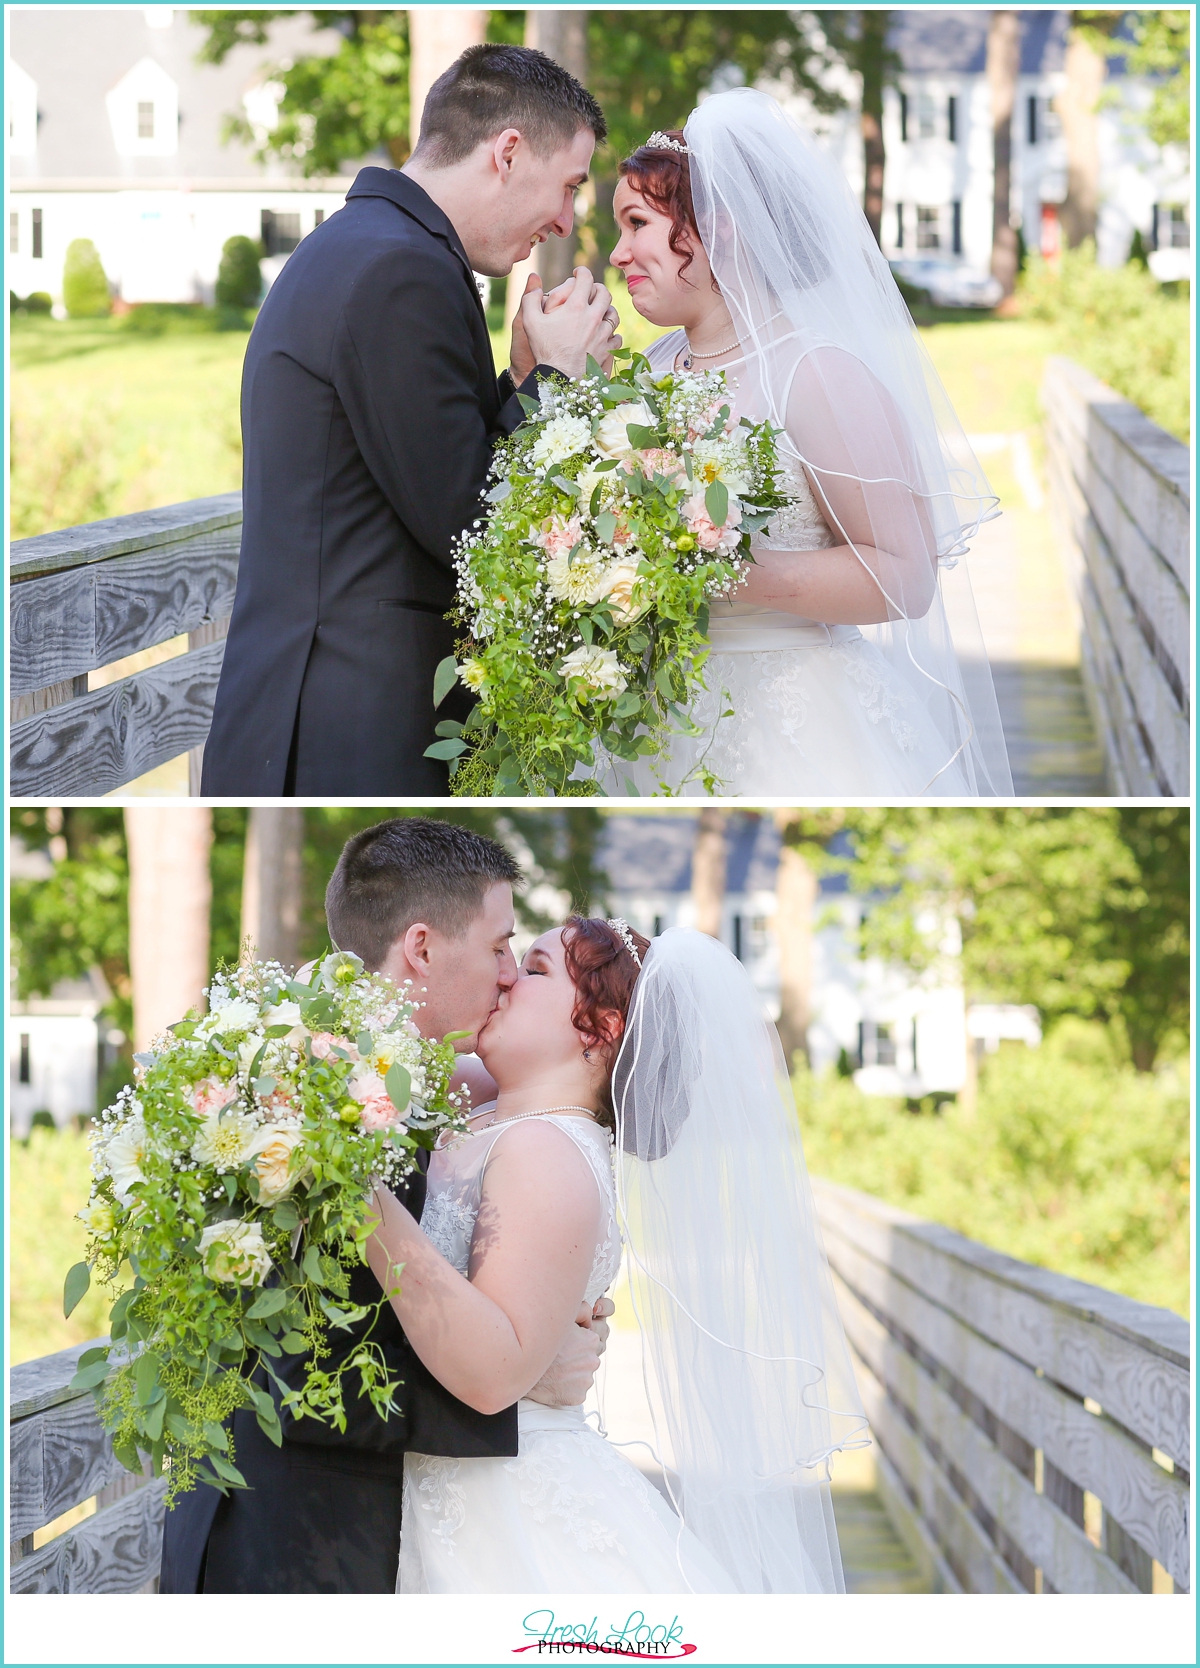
876, 1044
1171, 228
952, 119
737, 937
927, 228
14, 234
658, 926
23, 1072
37, 234
899, 225
904, 118
1031, 121
145, 119
926, 116
318, 217
957, 207
280, 232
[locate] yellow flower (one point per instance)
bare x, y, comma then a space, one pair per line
473, 674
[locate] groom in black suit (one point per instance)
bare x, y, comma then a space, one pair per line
431, 902
369, 408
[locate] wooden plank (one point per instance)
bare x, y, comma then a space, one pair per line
99, 541
1150, 1503
1046, 1537
33, 1385
1133, 1358
1126, 745
962, 1539
910, 1526
57, 1459
117, 1551
106, 738
41, 700
69, 623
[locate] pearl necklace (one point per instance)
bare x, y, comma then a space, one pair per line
690, 354
542, 1112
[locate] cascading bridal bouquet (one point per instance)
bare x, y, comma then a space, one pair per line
620, 509
233, 1183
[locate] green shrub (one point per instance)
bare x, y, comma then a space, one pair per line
239, 278
39, 302
1118, 323
1072, 1160
85, 288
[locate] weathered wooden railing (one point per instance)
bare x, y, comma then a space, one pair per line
60, 1457
1031, 1431
84, 601
1121, 490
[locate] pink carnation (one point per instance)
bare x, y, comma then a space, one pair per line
660, 461
558, 537
378, 1110
323, 1041
708, 535
210, 1096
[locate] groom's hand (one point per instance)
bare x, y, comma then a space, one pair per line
568, 1378
521, 358
566, 333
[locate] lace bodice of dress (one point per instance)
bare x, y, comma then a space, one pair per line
454, 1189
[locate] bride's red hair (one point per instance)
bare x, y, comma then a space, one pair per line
604, 973
664, 179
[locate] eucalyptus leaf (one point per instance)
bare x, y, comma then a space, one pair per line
398, 1083
448, 749
448, 727
269, 1302
716, 502
444, 679
606, 525
75, 1287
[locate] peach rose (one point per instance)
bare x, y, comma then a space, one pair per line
273, 1150
370, 1091
324, 1041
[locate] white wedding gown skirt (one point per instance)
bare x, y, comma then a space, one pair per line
569, 1513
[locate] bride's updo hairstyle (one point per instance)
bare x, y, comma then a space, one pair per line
604, 975
664, 179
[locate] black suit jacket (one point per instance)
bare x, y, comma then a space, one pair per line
322, 1513
370, 405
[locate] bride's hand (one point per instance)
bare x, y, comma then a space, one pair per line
568, 1378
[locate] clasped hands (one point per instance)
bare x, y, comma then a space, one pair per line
563, 326
568, 1378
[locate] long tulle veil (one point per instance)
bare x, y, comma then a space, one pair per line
741, 1336
838, 363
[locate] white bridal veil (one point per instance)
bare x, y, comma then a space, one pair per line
833, 357
740, 1328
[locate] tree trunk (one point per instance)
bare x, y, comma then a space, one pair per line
271, 884
795, 899
563, 37
1076, 106
871, 50
1003, 63
708, 871
437, 35
170, 893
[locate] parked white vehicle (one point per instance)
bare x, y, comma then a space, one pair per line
950, 284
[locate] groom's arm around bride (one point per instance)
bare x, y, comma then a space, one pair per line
369, 408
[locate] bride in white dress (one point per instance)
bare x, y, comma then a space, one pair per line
835, 664
523, 1223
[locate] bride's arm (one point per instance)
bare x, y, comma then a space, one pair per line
884, 566
489, 1339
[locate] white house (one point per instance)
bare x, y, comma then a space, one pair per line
115, 134
900, 1034
938, 141
54, 1048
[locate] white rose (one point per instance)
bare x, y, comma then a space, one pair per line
272, 1150
238, 1015
620, 579
239, 1253
225, 1141
286, 1013
599, 669
124, 1156
611, 438
561, 438
581, 582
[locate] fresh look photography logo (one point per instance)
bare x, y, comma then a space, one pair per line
637, 1636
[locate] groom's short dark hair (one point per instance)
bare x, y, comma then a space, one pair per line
410, 869
493, 87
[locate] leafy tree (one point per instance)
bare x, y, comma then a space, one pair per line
860, 39
1156, 45
85, 288
1076, 911
239, 277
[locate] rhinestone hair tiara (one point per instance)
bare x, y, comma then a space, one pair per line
621, 928
662, 142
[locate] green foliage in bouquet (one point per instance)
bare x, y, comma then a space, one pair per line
621, 507
233, 1183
